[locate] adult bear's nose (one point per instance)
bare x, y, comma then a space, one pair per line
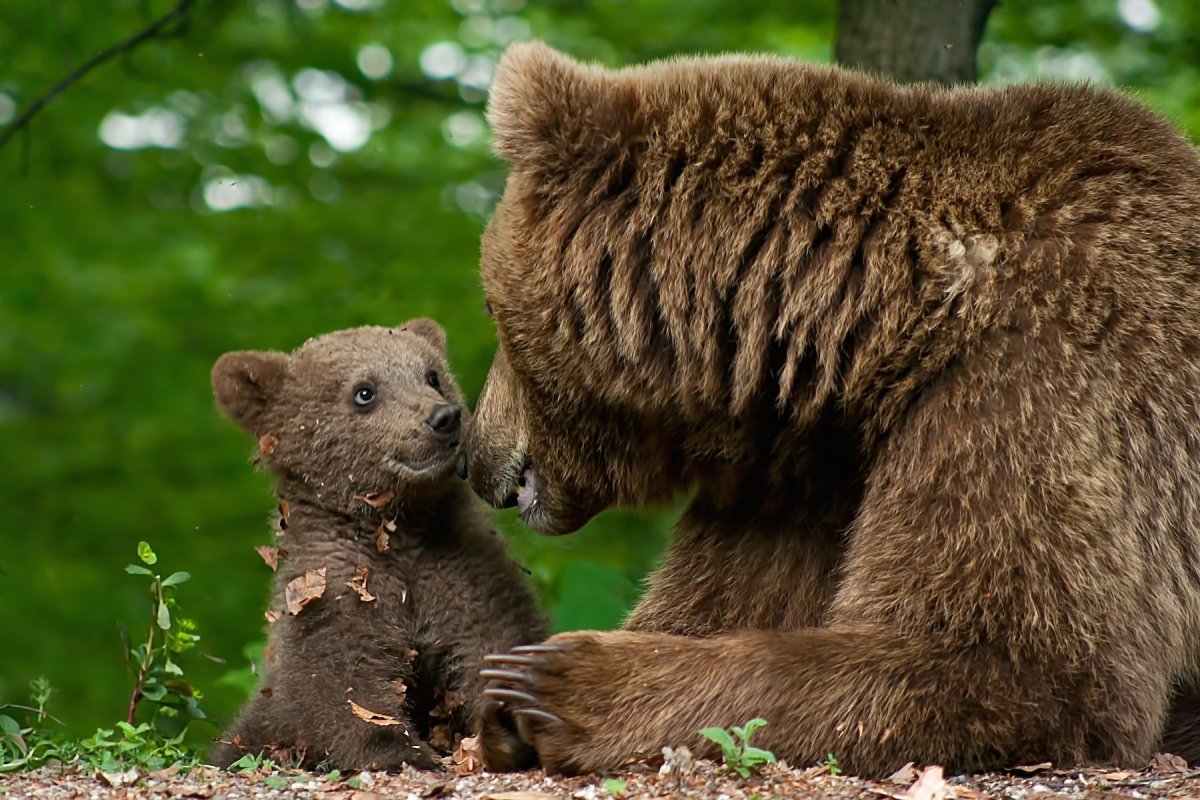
444, 419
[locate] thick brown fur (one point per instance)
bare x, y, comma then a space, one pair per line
444, 591
929, 360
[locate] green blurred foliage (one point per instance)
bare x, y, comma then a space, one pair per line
280, 168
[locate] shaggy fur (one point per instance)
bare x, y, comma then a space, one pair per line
928, 360
445, 592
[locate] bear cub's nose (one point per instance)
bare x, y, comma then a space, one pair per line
444, 419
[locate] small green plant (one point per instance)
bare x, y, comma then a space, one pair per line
26, 740
739, 755
832, 765
253, 762
158, 678
615, 786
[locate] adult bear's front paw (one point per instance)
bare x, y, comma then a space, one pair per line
565, 700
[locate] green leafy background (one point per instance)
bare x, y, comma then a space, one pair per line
281, 168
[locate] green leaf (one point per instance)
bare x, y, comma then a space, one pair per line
164, 616
137, 569
615, 786
276, 781
146, 554
176, 578
720, 736
753, 726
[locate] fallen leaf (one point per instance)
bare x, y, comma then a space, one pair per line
271, 555
520, 795
373, 717
359, 584
467, 758
381, 540
1165, 763
375, 499
1117, 776
930, 785
267, 443
1029, 769
440, 788
905, 775
119, 779
271, 615
303, 590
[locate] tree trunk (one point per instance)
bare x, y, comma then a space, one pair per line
912, 40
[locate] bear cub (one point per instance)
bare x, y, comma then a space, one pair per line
390, 583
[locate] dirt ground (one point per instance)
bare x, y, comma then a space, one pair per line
1164, 777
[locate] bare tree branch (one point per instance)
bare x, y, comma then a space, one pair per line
156, 28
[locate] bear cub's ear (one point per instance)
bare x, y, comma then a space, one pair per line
428, 330
246, 383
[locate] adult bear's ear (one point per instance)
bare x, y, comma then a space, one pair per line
246, 383
429, 330
544, 105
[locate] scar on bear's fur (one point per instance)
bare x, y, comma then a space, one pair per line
929, 360
406, 585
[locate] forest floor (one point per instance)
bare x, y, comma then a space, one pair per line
1164, 777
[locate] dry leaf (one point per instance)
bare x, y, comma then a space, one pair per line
1117, 776
267, 443
375, 499
271, 615
271, 555
520, 795
303, 590
359, 584
119, 779
399, 687
1165, 763
1032, 768
381, 539
440, 788
905, 775
467, 758
930, 785
373, 717
410, 656
283, 516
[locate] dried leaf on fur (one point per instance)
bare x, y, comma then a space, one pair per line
467, 757
283, 516
359, 584
373, 717
930, 785
381, 539
303, 590
271, 555
267, 443
375, 499
271, 615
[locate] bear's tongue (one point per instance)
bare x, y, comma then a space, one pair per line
527, 490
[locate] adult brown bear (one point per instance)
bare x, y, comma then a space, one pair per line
929, 360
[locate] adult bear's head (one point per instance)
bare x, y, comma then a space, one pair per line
575, 415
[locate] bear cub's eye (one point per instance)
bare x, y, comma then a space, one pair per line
433, 380
364, 395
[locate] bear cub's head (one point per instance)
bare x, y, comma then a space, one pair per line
368, 411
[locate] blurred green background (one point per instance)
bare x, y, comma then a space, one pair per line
281, 168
